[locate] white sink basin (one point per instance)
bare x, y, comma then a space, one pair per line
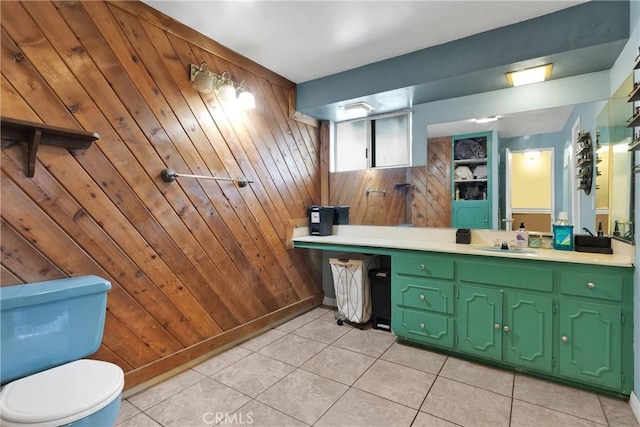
513, 251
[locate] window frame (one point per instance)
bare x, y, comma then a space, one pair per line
370, 142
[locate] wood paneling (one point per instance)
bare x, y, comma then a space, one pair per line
438, 182
380, 196
194, 264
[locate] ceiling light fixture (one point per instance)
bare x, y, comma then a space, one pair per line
205, 81
360, 107
529, 75
482, 120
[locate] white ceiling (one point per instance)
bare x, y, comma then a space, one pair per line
304, 40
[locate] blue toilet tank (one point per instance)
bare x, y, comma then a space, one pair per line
46, 324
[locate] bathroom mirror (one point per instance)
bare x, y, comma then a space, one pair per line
413, 197
614, 201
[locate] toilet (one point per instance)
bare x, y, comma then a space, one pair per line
47, 328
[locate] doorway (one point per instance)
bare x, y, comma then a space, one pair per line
529, 192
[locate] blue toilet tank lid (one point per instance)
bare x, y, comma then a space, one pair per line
51, 290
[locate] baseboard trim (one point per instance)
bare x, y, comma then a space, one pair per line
635, 405
331, 302
173, 364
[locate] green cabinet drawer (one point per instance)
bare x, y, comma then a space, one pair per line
603, 286
423, 294
505, 273
423, 327
423, 265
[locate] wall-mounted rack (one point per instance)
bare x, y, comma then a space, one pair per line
584, 161
15, 131
169, 175
634, 99
369, 191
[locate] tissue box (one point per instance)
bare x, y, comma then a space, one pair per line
463, 235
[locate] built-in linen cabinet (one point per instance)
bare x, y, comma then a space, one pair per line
471, 189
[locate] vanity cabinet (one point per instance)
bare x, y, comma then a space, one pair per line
423, 298
471, 187
505, 312
508, 326
591, 322
566, 321
559, 320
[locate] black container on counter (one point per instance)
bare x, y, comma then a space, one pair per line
463, 235
321, 220
341, 215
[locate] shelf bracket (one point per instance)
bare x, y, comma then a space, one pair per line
15, 131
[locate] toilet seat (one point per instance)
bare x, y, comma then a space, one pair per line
60, 395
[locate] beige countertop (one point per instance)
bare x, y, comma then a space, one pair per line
443, 240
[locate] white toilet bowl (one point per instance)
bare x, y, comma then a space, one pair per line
83, 393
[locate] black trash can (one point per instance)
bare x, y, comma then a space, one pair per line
381, 298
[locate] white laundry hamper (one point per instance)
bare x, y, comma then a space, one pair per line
352, 286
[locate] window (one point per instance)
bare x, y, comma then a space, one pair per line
374, 142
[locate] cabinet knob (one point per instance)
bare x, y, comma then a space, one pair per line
591, 285
564, 338
421, 325
505, 328
421, 297
421, 266
496, 326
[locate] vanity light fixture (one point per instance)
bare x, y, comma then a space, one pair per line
360, 107
529, 75
205, 81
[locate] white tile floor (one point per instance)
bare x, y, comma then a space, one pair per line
310, 371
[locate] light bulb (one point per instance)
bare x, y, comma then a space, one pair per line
247, 100
226, 91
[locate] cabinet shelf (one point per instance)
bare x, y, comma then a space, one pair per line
634, 145
470, 161
463, 181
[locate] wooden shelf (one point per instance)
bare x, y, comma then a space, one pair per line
634, 121
634, 145
33, 134
635, 94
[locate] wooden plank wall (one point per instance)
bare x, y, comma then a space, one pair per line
438, 182
195, 264
379, 196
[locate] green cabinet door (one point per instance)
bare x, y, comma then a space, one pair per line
528, 328
590, 343
471, 214
480, 321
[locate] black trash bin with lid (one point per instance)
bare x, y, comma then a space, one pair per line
381, 298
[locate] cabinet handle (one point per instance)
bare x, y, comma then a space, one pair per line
421, 266
496, 326
421, 297
505, 328
421, 325
591, 285
564, 339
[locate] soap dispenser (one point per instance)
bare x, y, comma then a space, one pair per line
522, 237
